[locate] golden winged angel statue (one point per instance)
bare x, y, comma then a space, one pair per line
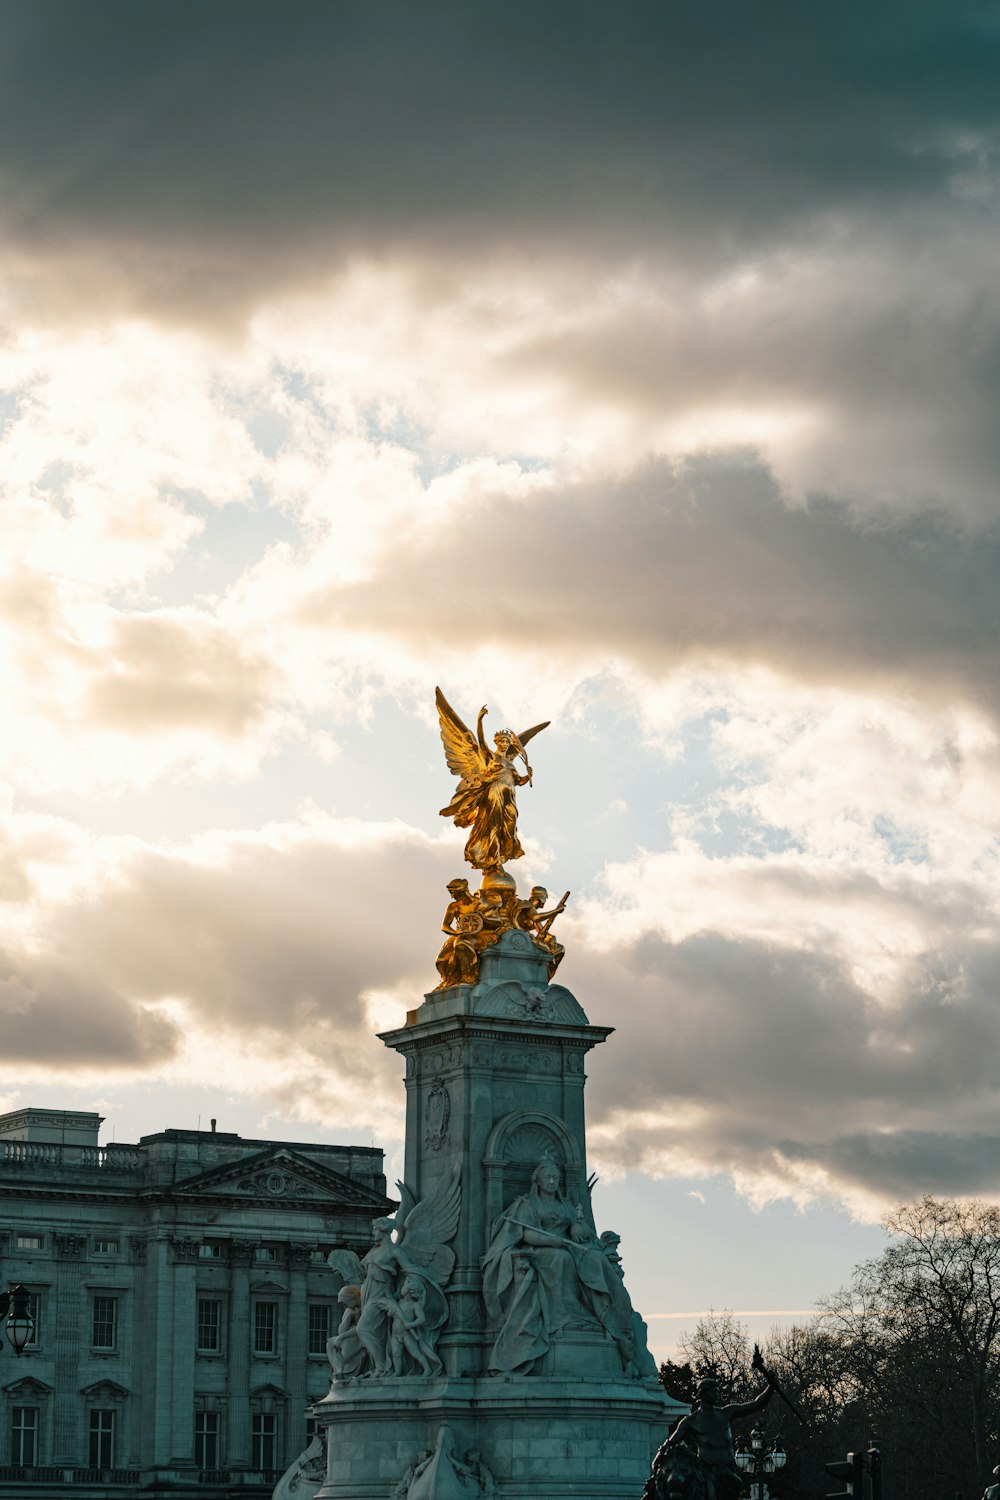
485, 800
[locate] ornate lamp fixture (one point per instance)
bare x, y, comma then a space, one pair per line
15, 1308
756, 1462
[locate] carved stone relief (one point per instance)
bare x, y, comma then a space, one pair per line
438, 1115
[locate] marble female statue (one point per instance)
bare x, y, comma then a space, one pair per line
485, 800
546, 1272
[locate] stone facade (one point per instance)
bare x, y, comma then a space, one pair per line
183, 1299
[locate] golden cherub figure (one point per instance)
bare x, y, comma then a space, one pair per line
485, 800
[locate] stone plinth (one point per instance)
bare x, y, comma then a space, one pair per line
540, 1384
540, 1437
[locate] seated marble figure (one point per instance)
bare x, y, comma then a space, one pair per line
546, 1274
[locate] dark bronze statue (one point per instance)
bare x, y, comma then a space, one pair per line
696, 1462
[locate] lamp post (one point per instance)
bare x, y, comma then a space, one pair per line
755, 1462
15, 1309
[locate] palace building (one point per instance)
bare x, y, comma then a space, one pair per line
182, 1302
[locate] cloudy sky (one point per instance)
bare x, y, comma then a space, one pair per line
631, 366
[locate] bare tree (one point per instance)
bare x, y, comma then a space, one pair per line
923, 1324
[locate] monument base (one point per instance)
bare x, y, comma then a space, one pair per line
539, 1438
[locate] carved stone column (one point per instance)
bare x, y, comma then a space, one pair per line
296, 1356
238, 1435
70, 1333
182, 1338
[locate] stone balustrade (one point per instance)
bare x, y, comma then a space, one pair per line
39, 1154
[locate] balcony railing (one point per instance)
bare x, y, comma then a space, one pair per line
31, 1474
91, 1158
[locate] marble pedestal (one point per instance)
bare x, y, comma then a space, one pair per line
541, 1438
495, 1085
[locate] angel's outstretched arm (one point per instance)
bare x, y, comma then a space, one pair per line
479, 730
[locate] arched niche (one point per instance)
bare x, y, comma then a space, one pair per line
516, 1145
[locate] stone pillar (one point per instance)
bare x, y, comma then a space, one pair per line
182, 1340
296, 1356
238, 1435
159, 1301
134, 1458
71, 1336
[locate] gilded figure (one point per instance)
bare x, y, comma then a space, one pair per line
458, 960
531, 918
485, 799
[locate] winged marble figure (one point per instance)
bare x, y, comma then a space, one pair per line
402, 1303
485, 799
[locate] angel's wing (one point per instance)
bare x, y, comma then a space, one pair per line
346, 1264
431, 1223
529, 734
461, 748
406, 1202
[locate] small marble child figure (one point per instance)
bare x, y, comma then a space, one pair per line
406, 1319
345, 1350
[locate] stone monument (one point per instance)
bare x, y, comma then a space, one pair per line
488, 1345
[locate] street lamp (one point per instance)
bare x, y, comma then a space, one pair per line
15, 1307
755, 1462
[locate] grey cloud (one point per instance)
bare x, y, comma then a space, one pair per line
704, 565
52, 1014
779, 1053
903, 1163
281, 940
164, 673
160, 140
785, 1056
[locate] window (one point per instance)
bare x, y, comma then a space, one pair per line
106, 1247
312, 1429
209, 1328
264, 1252
24, 1436
210, 1250
319, 1326
206, 1439
265, 1332
262, 1436
102, 1439
105, 1322
28, 1242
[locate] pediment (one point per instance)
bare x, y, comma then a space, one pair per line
275, 1392
280, 1175
518, 1000
28, 1386
105, 1390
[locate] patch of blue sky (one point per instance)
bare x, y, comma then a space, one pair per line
721, 832
10, 407
905, 846
232, 539
53, 481
690, 1244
